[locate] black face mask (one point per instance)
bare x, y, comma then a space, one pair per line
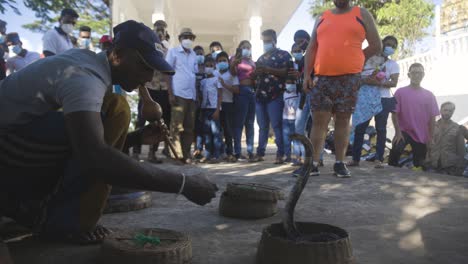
340, 4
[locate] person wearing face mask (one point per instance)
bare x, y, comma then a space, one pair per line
243, 67
271, 72
57, 40
230, 86
200, 75
20, 57
375, 99
3, 49
215, 49
182, 93
84, 39
105, 43
157, 89
291, 103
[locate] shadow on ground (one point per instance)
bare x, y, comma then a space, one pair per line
393, 216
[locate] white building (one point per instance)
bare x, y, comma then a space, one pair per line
226, 21
445, 65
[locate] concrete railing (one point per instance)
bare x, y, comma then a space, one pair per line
447, 48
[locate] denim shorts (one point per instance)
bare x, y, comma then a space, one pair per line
335, 93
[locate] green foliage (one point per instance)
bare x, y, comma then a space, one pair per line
4, 4
93, 13
407, 20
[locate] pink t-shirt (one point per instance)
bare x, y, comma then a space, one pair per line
415, 108
245, 69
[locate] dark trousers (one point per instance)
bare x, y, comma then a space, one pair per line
227, 123
419, 151
162, 98
381, 127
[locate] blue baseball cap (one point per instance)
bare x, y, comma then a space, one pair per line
131, 34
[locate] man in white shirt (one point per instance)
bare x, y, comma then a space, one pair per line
182, 93
56, 165
57, 40
22, 56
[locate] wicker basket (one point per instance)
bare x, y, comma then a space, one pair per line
120, 248
275, 248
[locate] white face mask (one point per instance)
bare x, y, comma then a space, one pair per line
209, 70
67, 28
187, 43
84, 43
165, 43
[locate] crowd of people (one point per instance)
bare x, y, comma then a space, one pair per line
65, 123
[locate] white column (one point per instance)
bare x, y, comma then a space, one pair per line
158, 13
255, 36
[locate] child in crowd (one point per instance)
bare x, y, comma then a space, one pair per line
200, 75
211, 97
291, 103
230, 86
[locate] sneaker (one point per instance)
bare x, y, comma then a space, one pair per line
241, 157
214, 161
256, 158
279, 160
320, 163
231, 159
313, 172
297, 172
341, 171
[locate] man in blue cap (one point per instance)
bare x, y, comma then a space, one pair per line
56, 164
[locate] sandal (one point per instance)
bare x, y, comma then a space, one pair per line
93, 237
352, 163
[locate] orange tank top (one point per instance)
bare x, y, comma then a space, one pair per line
340, 39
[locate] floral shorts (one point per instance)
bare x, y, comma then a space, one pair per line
335, 93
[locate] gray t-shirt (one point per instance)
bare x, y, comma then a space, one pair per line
75, 81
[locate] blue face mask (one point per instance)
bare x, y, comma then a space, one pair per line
290, 87
222, 66
215, 53
298, 56
268, 47
200, 59
246, 53
2, 39
17, 49
388, 51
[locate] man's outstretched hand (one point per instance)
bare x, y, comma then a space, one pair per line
199, 189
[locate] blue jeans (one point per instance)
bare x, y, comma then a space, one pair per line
302, 116
227, 123
381, 127
270, 112
199, 130
244, 106
212, 134
289, 128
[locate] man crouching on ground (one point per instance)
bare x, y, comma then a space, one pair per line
55, 166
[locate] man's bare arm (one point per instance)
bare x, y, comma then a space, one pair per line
372, 35
98, 159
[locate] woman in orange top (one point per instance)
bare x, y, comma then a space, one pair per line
335, 53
